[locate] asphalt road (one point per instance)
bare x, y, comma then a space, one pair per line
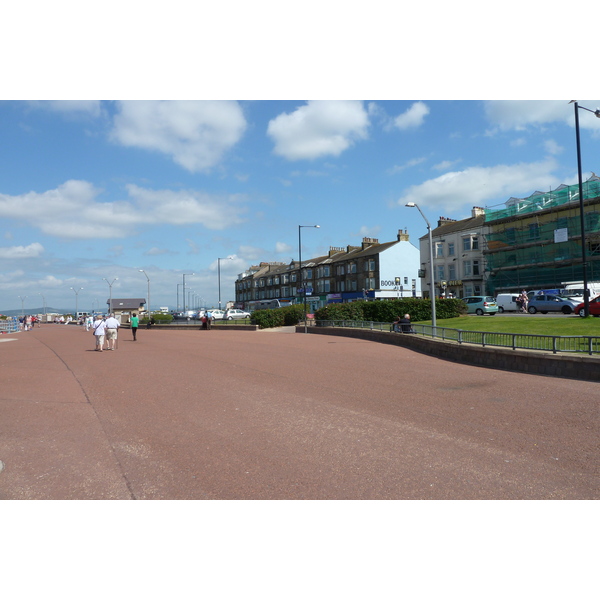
265, 415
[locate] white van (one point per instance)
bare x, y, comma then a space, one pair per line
507, 302
574, 289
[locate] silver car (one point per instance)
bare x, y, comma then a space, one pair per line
546, 303
236, 313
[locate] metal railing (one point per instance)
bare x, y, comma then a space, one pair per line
582, 344
10, 325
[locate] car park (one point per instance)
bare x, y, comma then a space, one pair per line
546, 303
481, 305
594, 308
236, 313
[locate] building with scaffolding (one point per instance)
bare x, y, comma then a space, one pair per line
535, 242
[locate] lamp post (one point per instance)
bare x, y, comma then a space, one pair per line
44, 299
110, 288
23, 298
183, 289
219, 274
300, 269
586, 294
431, 277
148, 305
76, 300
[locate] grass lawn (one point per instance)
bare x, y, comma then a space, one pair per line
562, 325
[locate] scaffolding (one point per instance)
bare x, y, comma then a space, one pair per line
535, 242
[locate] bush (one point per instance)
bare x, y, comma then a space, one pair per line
386, 311
278, 317
163, 318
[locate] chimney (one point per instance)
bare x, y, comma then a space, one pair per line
445, 221
477, 211
369, 242
402, 235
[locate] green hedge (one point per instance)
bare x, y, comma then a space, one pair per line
386, 311
278, 317
380, 311
163, 318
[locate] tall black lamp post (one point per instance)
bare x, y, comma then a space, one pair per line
431, 275
586, 293
300, 271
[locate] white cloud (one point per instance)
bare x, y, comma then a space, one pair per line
518, 114
195, 134
319, 128
73, 210
413, 117
283, 248
552, 147
477, 186
15, 252
410, 163
158, 251
446, 164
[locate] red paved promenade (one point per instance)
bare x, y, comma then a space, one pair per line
265, 415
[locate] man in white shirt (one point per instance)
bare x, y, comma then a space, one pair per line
99, 329
111, 331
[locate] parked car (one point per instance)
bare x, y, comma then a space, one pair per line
481, 305
546, 303
236, 313
594, 308
216, 314
507, 302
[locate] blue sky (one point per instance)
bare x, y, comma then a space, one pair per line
94, 190
169, 177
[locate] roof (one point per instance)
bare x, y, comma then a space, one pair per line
126, 303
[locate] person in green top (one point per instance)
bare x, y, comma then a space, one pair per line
134, 325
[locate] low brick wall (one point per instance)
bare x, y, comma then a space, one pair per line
586, 368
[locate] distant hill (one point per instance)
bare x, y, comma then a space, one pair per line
36, 311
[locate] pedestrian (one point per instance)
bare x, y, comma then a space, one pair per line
209, 319
405, 324
88, 322
111, 332
134, 325
524, 301
396, 325
204, 320
99, 331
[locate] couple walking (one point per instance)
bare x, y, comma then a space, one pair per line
106, 329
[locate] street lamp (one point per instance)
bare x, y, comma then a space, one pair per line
586, 294
44, 299
219, 274
76, 300
23, 298
300, 268
183, 289
110, 287
148, 305
431, 278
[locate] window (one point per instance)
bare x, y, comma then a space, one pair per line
341, 270
342, 286
370, 265
439, 249
406, 281
307, 274
470, 242
285, 278
294, 277
370, 283
475, 267
534, 231
452, 271
276, 280
440, 272
352, 268
467, 269
450, 248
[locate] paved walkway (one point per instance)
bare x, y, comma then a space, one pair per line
241, 415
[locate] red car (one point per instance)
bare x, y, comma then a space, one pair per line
594, 308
